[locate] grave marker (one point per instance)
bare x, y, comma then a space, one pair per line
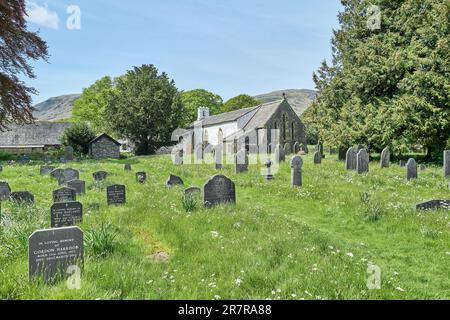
56, 173
141, 177
447, 163
5, 191
78, 185
218, 190
385, 158
192, 190
22, 197
66, 214
68, 153
350, 159
433, 205
317, 157
46, 170
241, 161
268, 175
127, 167
362, 162
116, 194
296, 171
68, 175
174, 181
411, 169
100, 175
64, 195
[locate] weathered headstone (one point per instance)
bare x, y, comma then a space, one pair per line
296, 171
199, 152
402, 163
64, 195
1, 168
100, 175
218, 190
241, 161
218, 157
78, 185
385, 158
279, 154
296, 147
178, 157
350, 159
66, 214
422, 167
362, 161
116, 194
317, 157
411, 169
127, 167
56, 173
46, 170
68, 175
434, 205
5, 191
342, 154
447, 163
319, 148
22, 197
287, 148
68, 153
141, 177
174, 181
192, 190
268, 174
25, 158
51, 252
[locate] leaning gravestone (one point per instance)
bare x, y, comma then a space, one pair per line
141, 177
192, 190
64, 195
68, 153
78, 185
385, 158
46, 170
22, 197
241, 161
317, 157
66, 214
174, 181
411, 169
116, 194
218, 190
350, 159
434, 205
296, 171
127, 167
362, 161
447, 163
100, 175
5, 191
56, 173
68, 175
51, 252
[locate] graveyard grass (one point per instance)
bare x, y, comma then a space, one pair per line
278, 242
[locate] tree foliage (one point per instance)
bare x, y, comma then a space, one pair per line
194, 99
240, 102
17, 45
78, 136
387, 86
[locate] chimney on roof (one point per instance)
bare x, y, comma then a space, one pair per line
203, 112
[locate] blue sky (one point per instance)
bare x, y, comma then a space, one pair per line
225, 46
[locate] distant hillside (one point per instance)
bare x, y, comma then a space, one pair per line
300, 99
56, 108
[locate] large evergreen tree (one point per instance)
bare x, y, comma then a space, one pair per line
387, 86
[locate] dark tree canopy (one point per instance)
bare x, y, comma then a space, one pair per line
17, 46
241, 101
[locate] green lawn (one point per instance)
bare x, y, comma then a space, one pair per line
315, 242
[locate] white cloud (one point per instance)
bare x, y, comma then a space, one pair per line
42, 16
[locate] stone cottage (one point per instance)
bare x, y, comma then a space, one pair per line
104, 147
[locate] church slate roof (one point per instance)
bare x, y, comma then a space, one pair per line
225, 117
38, 134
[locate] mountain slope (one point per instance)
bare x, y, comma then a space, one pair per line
56, 108
300, 99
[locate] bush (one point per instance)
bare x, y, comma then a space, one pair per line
78, 136
189, 203
101, 241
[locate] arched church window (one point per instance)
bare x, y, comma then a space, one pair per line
293, 131
285, 127
220, 137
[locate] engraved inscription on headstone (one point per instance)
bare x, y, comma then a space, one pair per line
78, 185
218, 190
64, 195
116, 194
65, 214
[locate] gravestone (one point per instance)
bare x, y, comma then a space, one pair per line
78, 185
51, 252
296, 171
64, 195
350, 159
192, 190
218, 190
423, 167
22, 197
100, 175
141, 177
1, 168
199, 152
411, 169
56, 173
68, 153
362, 162
317, 157
116, 194
62, 159
241, 161
218, 157
68, 175
342, 154
319, 148
296, 147
447, 163
434, 205
24, 159
174, 181
5, 191
66, 214
46, 170
402, 163
178, 157
268, 175
385, 158
278, 152
127, 167
287, 148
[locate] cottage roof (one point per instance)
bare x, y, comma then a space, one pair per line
41, 133
105, 136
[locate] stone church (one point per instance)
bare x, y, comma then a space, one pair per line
253, 127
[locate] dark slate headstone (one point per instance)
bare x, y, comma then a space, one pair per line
22, 197
78, 185
46, 170
174, 181
68, 175
5, 191
296, 171
268, 174
241, 161
362, 161
192, 190
296, 147
68, 153
447, 163
411, 169
141, 177
116, 194
127, 167
64, 195
434, 205
350, 159
218, 190
100, 175
56, 173
402, 163
341, 154
52, 251
287, 148
317, 157
1, 168
385, 158
66, 214
24, 159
